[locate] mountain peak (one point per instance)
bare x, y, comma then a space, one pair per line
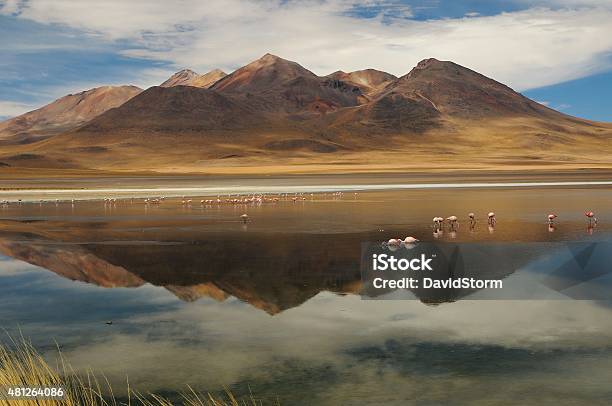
182, 77
427, 62
187, 77
185, 72
262, 74
274, 60
270, 57
424, 65
434, 65
337, 73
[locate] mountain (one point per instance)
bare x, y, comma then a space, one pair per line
458, 91
443, 96
187, 77
274, 84
65, 113
276, 114
369, 81
175, 110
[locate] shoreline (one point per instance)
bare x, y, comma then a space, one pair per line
33, 195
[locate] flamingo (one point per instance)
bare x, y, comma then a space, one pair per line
410, 240
393, 244
591, 216
491, 218
452, 220
244, 218
472, 218
438, 222
590, 229
551, 218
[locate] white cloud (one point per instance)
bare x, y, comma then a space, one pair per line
524, 49
324, 330
10, 108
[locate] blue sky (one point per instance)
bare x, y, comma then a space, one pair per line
558, 52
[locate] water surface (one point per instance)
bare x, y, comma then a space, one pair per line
196, 297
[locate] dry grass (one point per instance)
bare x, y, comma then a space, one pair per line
515, 143
22, 366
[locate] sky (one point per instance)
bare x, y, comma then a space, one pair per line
557, 52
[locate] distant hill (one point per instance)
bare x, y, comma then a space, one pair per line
65, 113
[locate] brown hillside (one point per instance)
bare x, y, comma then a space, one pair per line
65, 113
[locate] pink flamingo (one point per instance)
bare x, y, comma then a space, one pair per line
591, 216
492, 220
410, 242
394, 241
551, 218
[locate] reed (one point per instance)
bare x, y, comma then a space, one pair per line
21, 365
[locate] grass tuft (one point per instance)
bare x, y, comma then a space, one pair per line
22, 366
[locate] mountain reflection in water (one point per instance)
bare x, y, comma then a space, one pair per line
273, 272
